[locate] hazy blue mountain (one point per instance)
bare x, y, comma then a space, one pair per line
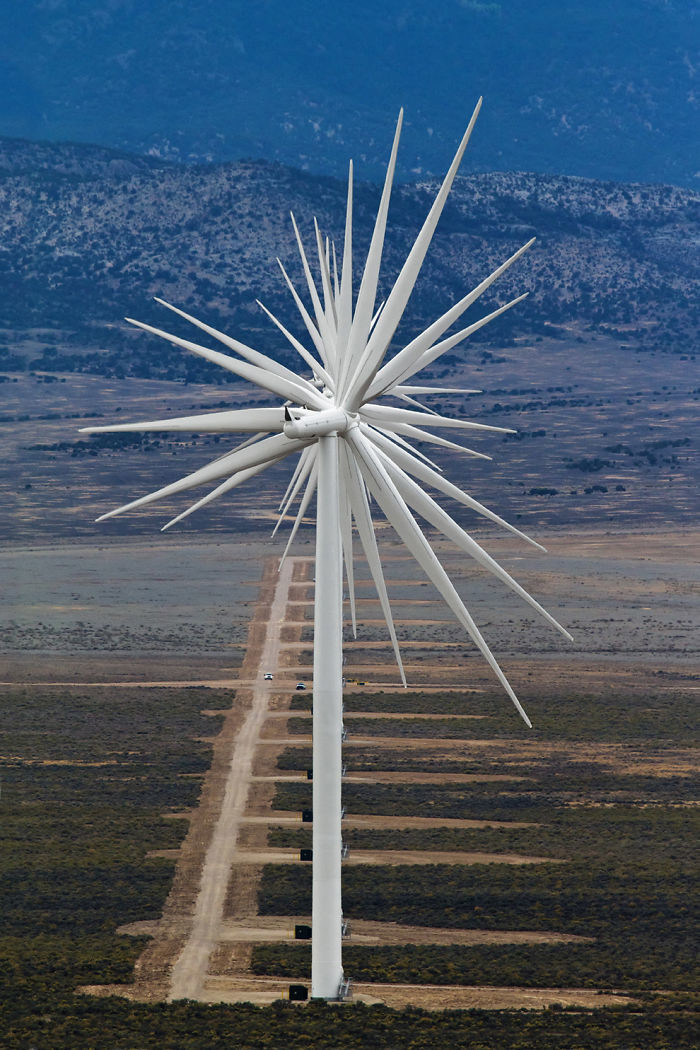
88, 235
605, 90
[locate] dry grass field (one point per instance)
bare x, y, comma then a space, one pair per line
139, 655
606, 438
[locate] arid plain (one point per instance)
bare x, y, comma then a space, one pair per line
443, 774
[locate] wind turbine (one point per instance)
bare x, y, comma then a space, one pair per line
351, 447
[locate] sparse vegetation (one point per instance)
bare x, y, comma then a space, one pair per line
76, 832
626, 881
65, 221
87, 776
626, 838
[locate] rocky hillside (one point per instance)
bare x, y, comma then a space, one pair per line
88, 235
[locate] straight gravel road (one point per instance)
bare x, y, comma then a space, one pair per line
190, 970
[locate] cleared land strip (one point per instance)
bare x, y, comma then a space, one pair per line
412, 742
265, 990
394, 857
418, 716
373, 821
460, 997
190, 970
275, 928
398, 776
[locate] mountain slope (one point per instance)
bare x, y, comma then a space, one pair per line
87, 236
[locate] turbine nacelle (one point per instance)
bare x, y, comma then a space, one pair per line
304, 424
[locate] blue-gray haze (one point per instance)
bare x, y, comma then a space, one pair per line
606, 90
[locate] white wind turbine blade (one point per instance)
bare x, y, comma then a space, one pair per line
254, 357
264, 451
345, 296
292, 480
393, 369
311, 361
346, 540
268, 420
424, 435
426, 506
377, 314
334, 288
303, 506
398, 514
384, 415
364, 307
328, 298
225, 486
403, 389
394, 437
242, 444
408, 463
305, 465
300, 391
306, 318
336, 280
327, 334
448, 344
357, 492
403, 286
412, 401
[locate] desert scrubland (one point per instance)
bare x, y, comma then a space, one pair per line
491, 868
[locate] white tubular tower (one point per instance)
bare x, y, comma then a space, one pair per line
327, 915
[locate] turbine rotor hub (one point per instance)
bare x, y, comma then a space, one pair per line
304, 424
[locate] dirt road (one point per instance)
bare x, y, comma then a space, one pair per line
189, 972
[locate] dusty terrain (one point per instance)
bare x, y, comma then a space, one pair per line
227, 974
620, 589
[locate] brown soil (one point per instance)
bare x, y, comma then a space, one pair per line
153, 969
265, 990
395, 857
446, 997
281, 928
349, 715
371, 820
402, 777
